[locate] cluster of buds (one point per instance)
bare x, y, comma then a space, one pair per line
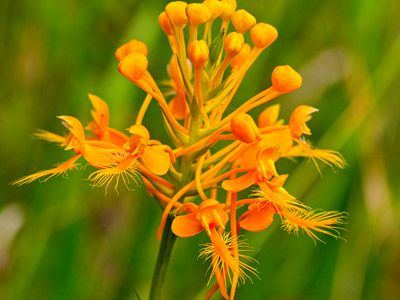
215, 151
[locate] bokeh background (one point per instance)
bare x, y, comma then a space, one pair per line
65, 240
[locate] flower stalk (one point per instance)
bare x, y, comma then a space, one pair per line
163, 259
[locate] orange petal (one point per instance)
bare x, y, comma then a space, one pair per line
282, 138
269, 116
115, 137
186, 225
240, 183
249, 158
258, 218
98, 157
300, 116
140, 131
156, 159
74, 126
100, 112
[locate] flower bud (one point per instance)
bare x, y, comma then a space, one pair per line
229, 7
244, 128
165, 23
133, 66
215, 7
176, 12
198, 53
198, 13
263, 35
233, 43
269, 116
129, 47
242, 20
285, 79
239, 59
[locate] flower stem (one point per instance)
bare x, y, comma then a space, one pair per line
164, 255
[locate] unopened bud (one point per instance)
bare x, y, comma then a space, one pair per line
263, 35
229, 7
129, 47
198, 53
239, 59
285, 79
176, 12
165, 23
244, 128
269, 116
242, 20
198, 13
233, 43
215, 7
133, 66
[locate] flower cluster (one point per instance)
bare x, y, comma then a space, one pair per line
215, 151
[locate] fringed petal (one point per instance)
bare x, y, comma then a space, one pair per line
310, 222
47, 174
49, 136
124, 171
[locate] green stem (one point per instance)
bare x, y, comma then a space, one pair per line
164, 255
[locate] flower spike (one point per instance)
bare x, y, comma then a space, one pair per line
217, 172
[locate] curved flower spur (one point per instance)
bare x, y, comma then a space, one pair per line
207, 66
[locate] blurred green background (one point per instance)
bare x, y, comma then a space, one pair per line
64, 240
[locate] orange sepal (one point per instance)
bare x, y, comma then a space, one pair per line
186, 225
258, 218
240, 183
156, 159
